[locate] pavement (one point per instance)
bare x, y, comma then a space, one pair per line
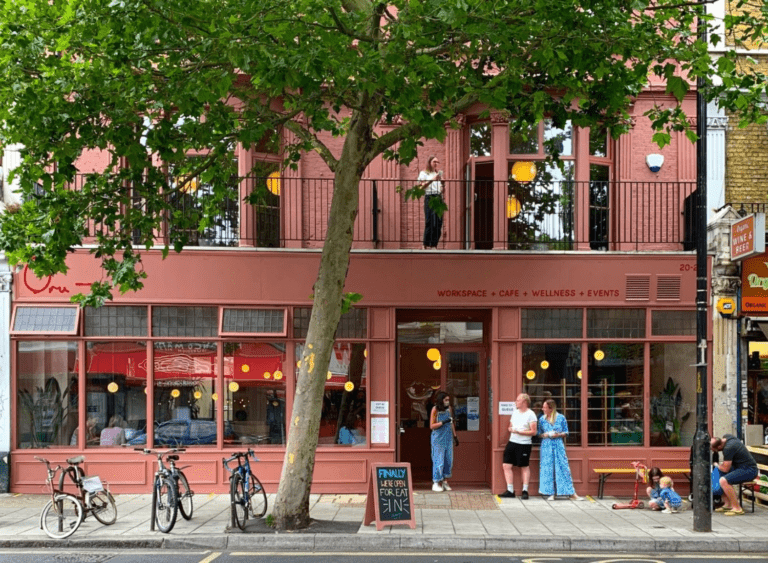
473, 520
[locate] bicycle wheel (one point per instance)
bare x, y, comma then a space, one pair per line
102, 506
237, 498
165, 504
185, 497
257, 496
62, 517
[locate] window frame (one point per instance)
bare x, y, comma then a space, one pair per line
55, 334
281, 334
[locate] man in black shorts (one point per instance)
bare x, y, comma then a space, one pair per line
738, 466
522, 427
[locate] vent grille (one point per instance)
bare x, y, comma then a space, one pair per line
668, 288
638, 288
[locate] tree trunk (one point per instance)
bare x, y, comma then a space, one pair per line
292, 503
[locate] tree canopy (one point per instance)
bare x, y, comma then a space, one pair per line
147, 82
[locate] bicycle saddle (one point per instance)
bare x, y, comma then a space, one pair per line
173, 458
76, 460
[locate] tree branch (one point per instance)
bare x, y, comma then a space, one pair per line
318, 146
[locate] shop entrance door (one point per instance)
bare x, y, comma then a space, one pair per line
459, 370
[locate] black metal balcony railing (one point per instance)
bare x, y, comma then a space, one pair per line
564, 215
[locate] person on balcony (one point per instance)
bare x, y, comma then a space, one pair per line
430, 181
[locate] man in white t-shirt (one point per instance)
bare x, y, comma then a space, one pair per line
522, 428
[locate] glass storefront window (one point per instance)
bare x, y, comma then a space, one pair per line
254, 385
553, 371
480, 139
345, 401
116, 400
673, 394
47, 394
615, 410
436, 332
185, 395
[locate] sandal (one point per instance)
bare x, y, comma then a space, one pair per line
739, 512
723, 509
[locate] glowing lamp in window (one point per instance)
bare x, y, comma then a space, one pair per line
433, 354
438, 364
365, 353
530, 374
513, 207
523, 171
578, 374
273, 183
246, 368
175, 393
349, 386
544, 364
215, 396
112, 387
599, 355
234, 386
328, 376
278, 375
267, 375
198, 395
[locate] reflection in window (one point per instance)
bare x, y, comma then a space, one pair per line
480, 139
598, 206
525, 140
184, 395
264, 195
598, 142
556, 140
46, 394
615, 411
436, 332
553, 371
255, 392
544, 207
345, 400
116, 400
463, 385
673, 394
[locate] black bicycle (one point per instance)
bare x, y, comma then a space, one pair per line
171, 493
246, 494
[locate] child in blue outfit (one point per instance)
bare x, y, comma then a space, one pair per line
672, 501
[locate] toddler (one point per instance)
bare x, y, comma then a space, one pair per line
672, 501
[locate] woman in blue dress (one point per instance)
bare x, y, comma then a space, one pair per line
554, 472
443, 438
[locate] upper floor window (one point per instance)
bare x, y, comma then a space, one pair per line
480, 139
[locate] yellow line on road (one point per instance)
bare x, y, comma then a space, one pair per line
211, 557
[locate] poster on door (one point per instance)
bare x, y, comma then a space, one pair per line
473, 414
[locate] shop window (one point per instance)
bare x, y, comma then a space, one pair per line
673, 323
115, 321
185, 321
254, 385
46, 394
34, 320
345, 400
552, 323
254, 322
615, 408
185, 395
436, 332
116, 399
553, 371
673, 394
353, 323
757, 385
462, 383
616, 323
480, 139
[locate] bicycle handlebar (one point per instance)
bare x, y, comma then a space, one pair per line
238, 455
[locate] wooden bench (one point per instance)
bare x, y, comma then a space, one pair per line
604, 473
752, 488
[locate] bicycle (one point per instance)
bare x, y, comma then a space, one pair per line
246, 493
171, 493
64, 513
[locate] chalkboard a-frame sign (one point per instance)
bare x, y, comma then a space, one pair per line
390, 496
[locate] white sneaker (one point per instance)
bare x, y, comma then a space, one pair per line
551, 498
576, 497
668, 511
446, 487
437, 488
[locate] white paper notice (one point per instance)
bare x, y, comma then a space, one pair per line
473, 414
379, 407
379, 430
507, 408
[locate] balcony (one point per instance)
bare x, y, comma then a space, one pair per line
293, 212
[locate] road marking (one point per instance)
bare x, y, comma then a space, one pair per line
211, 557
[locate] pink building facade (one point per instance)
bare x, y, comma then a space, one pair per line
576, 283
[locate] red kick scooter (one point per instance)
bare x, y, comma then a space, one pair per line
641, 472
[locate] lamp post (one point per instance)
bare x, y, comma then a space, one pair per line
702, 484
